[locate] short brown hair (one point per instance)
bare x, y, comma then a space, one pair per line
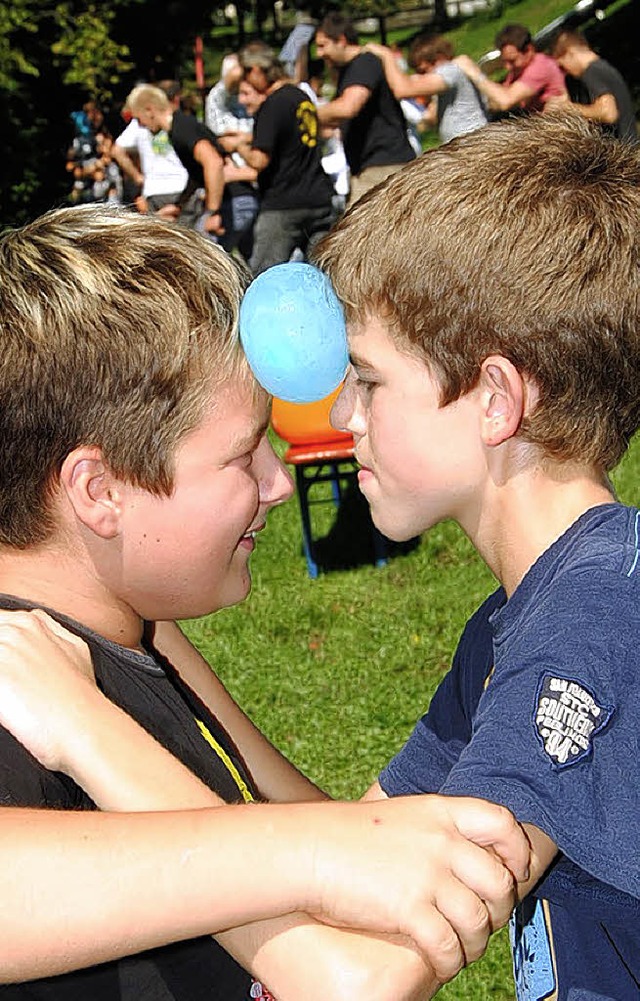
428, 48
514, 34
521, 239
335, 24
115, 329
567, 40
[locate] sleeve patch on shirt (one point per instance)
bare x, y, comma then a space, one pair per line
567, 719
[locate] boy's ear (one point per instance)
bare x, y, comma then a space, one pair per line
503, 395
93, 490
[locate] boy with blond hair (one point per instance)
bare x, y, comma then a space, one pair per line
135, 476
493, 313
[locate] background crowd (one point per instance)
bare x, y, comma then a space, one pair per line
285, 140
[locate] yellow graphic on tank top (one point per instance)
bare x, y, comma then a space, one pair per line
244, 790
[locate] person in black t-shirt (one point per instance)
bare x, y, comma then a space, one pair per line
373, 126
296, 194
602, 95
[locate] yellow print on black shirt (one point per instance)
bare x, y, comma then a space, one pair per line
307, 118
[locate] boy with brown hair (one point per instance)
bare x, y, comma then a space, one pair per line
493, 313
600, 93
135, 476
533, 79
460, 108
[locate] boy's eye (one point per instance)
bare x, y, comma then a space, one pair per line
365, 385
244, 459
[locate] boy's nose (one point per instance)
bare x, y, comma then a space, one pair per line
343, 412
339, 413
276, 483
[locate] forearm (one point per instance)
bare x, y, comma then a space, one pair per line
126, 164
603, 110
299, 958
499, 96
279, 951
123, 769
333, 114
233, 172
84, 888
213, 169
397, 80
255, 158
404, 866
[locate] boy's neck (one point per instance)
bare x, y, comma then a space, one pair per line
529, 513
49, 578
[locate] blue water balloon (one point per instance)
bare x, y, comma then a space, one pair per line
293, 333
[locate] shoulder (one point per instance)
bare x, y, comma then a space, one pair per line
365, 69
577, 606
186, 125
218, 92
544, 69
290, 94
606, 543
450, 73
130, 136
600, 71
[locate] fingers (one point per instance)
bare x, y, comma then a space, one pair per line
485, 878
26, 631
472, 901
493, 827
436, 941
469, 919
59, 630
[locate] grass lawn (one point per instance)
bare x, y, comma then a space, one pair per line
336, 671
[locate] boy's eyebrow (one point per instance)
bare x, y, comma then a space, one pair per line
245, 442
361, 363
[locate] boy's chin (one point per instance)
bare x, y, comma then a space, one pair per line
233, 593
391, 529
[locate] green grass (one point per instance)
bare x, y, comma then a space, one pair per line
337, 670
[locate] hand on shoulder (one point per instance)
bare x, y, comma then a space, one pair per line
466, 64
46, 677
378, 50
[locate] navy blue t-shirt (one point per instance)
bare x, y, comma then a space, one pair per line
541, 713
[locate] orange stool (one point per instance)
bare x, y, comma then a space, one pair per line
319, 454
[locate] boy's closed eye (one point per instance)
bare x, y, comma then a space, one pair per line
364, 378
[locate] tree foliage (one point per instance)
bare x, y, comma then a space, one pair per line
17, 18
91, 58
56, 54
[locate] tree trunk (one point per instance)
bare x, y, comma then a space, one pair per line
440, 16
